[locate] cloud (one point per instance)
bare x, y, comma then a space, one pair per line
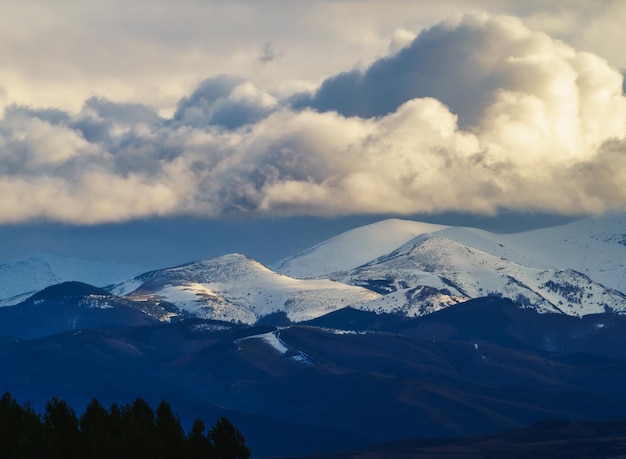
476, 114
268, 54
465, 63
224, 101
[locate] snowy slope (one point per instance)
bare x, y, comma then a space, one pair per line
238, 289
21, 278
433, 272
353, 248
594, 246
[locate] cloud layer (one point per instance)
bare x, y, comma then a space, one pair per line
476, 114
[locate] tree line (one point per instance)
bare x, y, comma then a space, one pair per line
133, 430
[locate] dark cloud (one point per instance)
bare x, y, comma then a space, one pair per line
224, 101
121, 112
456, 63
268, 54
50, 115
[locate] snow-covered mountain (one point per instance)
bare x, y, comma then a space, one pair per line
353, 248
576, 269
403, 267
432, 272
21, 278
236, 288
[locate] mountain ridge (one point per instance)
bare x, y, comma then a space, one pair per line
25, 276
237, 288
417, 268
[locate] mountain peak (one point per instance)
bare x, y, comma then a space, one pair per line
68, 289
354, 248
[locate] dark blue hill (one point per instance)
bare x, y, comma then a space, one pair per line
72, 306
472, 369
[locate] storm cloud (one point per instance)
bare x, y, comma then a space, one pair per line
475, 114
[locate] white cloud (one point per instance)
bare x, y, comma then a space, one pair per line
476, 114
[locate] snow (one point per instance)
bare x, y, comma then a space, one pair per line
236, 288
576, 269
353, 248
594, 246
340, 331
21, 278
95, 302
455, 272
272, 339
126, 287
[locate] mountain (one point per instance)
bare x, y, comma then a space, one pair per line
471, 369
495, 320
575, 269
593, 246
236, 288
21, 278
393, 266
353, 248
432, 272
72, 306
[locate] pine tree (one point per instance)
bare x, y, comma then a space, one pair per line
131, 431
11, 415
96, 432
227, 441
169, 433
198, 444
138, 423
60, 430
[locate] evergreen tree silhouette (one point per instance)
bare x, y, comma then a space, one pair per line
60, 430
169, 433
198, 444
128, 431
96, 430
227, 441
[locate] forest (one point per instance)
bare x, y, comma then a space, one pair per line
133, 430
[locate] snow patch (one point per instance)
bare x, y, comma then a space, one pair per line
270, 338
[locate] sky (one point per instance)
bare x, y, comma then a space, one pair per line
159, 132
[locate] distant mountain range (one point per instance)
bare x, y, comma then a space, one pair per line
21, 278
393, 266
386, 332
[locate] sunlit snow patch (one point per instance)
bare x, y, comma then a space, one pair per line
273, 339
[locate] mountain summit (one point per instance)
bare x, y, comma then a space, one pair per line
236, 288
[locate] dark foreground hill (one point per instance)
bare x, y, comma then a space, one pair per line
76, 306
346, 381
546, 440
